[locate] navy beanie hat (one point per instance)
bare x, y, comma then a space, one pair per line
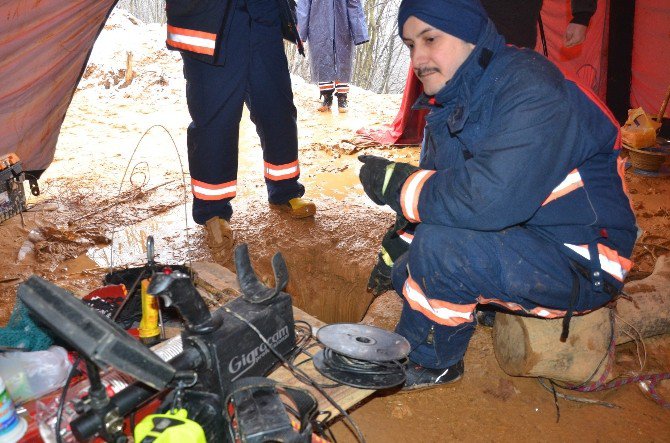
465, 19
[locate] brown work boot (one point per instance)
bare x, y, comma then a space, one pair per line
296, 207
219, 239
342, 103
327, 102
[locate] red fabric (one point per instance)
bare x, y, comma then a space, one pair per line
586, 62
407, 128
651, 55
43, 47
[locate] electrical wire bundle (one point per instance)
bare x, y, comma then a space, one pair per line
358, 373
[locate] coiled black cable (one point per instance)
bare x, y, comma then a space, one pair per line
340, 362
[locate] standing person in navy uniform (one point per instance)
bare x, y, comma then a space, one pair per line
332, 28
233, 54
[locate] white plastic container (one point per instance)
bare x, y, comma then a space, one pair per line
12, 427
30, 375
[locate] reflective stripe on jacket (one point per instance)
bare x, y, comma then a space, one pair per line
197, 27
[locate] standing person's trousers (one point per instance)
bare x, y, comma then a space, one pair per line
255, 72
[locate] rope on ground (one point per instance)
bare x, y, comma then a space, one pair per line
568, 397
647, 382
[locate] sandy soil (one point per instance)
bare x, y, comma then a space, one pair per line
117, 178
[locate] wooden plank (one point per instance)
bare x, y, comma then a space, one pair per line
217, 280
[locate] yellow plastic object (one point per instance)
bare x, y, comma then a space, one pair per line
639, 131
148, 330
171, 427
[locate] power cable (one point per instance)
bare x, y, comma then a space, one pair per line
294, 369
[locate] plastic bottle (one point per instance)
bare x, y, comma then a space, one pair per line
12, 427
30, 375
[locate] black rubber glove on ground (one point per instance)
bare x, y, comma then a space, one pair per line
382, 179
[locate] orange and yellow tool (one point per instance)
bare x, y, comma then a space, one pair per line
149, 331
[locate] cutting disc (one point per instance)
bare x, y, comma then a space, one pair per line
363, 342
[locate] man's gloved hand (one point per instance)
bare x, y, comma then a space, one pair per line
393, 246
380, 277
382, 179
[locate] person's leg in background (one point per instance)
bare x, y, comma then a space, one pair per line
270, 100
326, 90
341, 92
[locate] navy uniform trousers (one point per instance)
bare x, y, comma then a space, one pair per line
255, 72
448, 271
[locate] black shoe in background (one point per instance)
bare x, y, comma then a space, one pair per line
327, 102
342, 102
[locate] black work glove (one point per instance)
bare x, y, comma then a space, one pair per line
374, 174
380, 277
392, 247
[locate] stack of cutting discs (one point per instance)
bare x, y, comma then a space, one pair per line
361, 356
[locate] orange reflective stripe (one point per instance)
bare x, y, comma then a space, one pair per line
342, 87
506, 304
552, 313
406, 236
190, 40
281, 172
538, 311
441, 312
610, 260
207, 191
571, 182
411, 190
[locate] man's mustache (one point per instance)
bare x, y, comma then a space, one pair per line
423, 71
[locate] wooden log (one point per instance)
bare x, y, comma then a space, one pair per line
527, 346
648, 310
218, 282
531, 347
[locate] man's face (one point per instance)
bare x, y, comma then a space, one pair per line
435, 54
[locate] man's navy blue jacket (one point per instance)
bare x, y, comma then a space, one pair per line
510, 141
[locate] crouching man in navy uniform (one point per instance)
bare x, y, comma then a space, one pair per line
233, 54
518, 200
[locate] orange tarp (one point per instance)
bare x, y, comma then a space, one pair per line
44, 46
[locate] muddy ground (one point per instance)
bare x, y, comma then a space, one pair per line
117, 178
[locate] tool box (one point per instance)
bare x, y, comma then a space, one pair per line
12, 195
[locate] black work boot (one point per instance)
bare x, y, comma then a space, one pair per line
419, 377
327, 101
342, 103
